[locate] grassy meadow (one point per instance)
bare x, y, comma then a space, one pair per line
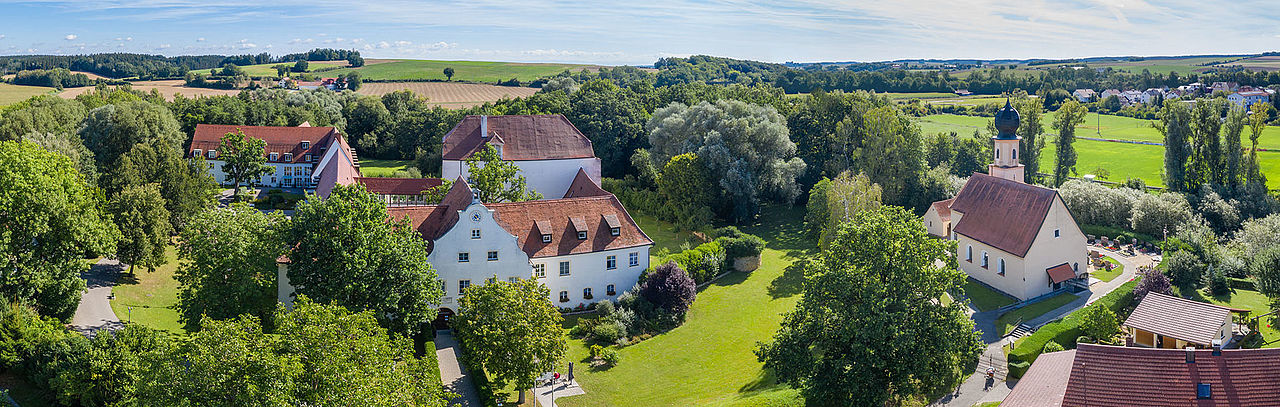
270, 70
151, 295
382, 168
10, 94
466, 71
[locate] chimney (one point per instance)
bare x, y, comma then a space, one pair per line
484, 126
1191, 354
1217, 347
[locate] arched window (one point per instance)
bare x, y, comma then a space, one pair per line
997, 153
968, 256
985, 262
1015, 154
1001, 267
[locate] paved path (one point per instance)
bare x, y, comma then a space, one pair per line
453, 373
94, 312
561, 389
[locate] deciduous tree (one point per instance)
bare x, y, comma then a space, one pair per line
880, 278
670, 287
1099, 322
849, 195
1175, 126
1151, 280
1031, 128
144, 226
112, 130
614, 119
229, 264
448, 73
511, 330
498, 180
688, 191
243, 158
1257, 123
1070, 115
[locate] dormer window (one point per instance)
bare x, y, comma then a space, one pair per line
197, 152
288, 157
213, 153
582, 235
306, 157
615, 227
546, 238
580, 226
275, 156
306, 144
615, 231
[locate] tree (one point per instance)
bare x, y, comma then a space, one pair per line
1265, 268
670, 287
41, 114
614, 119
511, 330
817, 209
229, 264
1155, 214
498, 180
144, 226
301, 66
1175, 126
1151, 280
51, 218
1186, 269
1205, 166
889, 154
351, 81
972, 155
71, 146
1099, 322
1233, 173
366, 116
1070, 115
881, 279
282, 71
849, 195
185, 183
225, 363
243, 158
687, 191
745, 147
1257, 123
448, 73
111, 131
1030, 129
346, 249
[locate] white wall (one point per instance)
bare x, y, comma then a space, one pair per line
551, 178
934, 224
1013, 282
275, 178
1049, 251
588, 270
512, 262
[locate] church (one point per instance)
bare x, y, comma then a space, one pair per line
1015, 237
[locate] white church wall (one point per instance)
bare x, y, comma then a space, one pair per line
1012, 282
1068, 246
551, 178
934, 224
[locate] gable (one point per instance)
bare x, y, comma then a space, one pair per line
1004, 214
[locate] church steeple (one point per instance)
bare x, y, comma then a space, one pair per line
1005, 163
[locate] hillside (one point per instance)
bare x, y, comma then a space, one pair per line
468, 71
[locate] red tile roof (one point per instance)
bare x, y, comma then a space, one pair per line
398, 186
523, 137
1004, 214
944, 208
279, 140
582, 185
340, 170
1192, 321
1045, 382
1060, 273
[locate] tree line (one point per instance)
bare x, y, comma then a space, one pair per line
147, 67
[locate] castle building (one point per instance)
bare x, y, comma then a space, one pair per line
1017, 238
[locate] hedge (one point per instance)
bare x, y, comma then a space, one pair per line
1242, 284
1064, 331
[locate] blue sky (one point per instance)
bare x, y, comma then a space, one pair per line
640, 31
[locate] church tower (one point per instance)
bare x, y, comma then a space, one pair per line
1005, 162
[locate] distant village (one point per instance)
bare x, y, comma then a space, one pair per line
1242, 96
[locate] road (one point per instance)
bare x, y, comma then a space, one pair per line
95, 312
453, 373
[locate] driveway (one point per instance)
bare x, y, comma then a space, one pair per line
453, 373
94, 312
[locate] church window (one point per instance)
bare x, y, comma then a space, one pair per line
984, 259
1001, 272
1075, 267
1057, 233
997, 153
1015, 154
968, 256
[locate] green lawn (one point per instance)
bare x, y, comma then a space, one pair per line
151, 295
972, 100
984, 298
988, 404
709, 359
918, 95
664, 235
1009, 320
382, 168
10, 94
269, 70
1104, 275
466, 71
1244, 299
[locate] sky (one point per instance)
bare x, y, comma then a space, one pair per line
638, 32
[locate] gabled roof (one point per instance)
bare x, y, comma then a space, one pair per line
398, 186
583, 185
279, 140
1060, 273
1045, 382
944, 208
1004, 214
1179, 318
524, 137
431, 221
336, 169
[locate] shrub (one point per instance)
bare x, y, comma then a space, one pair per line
741, 246
1218, 284
610, 357
608, 332
1185, 268
1064, 331
1099, 322
1151, 280
670, 288
1052, 347
595, 351
1018, 369
1155, 213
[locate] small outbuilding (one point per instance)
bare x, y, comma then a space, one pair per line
1165, 321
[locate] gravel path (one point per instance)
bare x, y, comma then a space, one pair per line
94, 312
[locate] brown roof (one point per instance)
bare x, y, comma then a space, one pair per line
279, 140
944, 209
1119, 376
1179, 318
340, 170
1004, 214
583, 185
1060, 273
431, 221
523, 137
398, 186
1045, 382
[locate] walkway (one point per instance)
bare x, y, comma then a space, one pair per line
977, 388
545, 394
453, 373
94, 312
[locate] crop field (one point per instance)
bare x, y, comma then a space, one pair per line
450, 94
918, 95
168, 88
1260, 63
1120, 159
969, 100
270, 70
466, 71
10, 94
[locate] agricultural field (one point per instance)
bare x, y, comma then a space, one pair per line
168, 88
1120, 159
969, 100
10, 94
449, 94
1259, 63
896, 96
269, 70
466, 71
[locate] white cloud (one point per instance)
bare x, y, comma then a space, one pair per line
164, 46
128, 38
70, 37
1, 36
201, 39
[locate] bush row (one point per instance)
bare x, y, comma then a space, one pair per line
708, 260
1064, 331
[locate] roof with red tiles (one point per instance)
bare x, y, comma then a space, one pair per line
1060, 273
341, 169
583, 185
398, 186
1045, 382
523, 138
280, 140
1004, 214
1192, 321
944, 209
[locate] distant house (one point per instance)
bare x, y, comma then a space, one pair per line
296, 155
1225, 87
1109, 93
1164, 321
308, 85
1084, 95
1115, 376
1150, 95
937, 219
1246, 99
329, 83
963, 92
1131, 97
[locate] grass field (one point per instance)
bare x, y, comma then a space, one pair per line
466, 71
709, 359
151, 295
1243, 299
1009, 320
269, 70
450, 94
10, 94
970, 100
1104, 275
984, 298
382, 168
168, 88
918, 95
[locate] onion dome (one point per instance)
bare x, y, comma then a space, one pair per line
1007, 120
